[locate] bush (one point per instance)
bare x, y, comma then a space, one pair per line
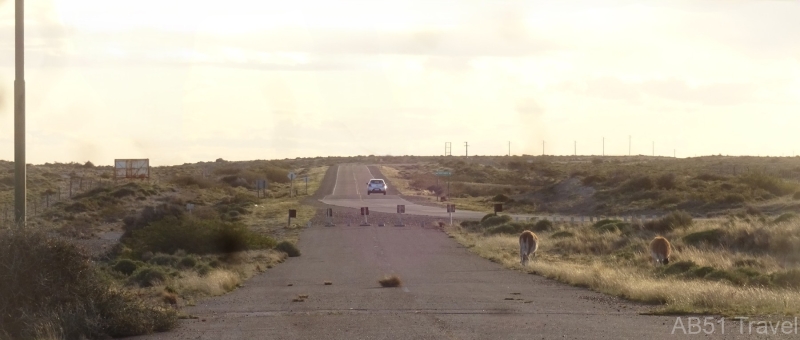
52, 283
495, 221
203, 269
542, 225
787, 279
163, 260
710, 237
123, 192
796, 195
666, 182
149, 215
504, 229
188, 180
562, 234
710, 177
500, 198
785, 217
188, 262
436, 189
675, 220
88, 164
641, 183
195, 236
148, 276
773, 185
126, 266
288, 248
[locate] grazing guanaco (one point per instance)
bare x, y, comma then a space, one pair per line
528, 244
660, 250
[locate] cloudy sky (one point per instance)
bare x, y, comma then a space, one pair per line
188, 81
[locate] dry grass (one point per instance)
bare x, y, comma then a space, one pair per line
390, 281
618, 263
217, 282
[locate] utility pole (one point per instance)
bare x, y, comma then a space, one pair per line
19, 115
542, 148
448, 148
466, 150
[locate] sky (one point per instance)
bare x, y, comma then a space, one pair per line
189, 81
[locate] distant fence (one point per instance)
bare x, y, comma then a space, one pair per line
40, 203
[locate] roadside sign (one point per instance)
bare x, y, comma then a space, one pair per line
498, 207
442, 173
292, 176
364, 211
401, 209
329, 212
292, 213
261, 184
451, 208
189, 207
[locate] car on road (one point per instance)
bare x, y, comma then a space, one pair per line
376, 185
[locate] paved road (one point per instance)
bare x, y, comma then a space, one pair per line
351, 191
447, 293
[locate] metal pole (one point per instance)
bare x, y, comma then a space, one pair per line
19, 115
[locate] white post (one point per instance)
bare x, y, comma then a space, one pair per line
451, 218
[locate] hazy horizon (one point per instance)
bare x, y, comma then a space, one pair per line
183, 82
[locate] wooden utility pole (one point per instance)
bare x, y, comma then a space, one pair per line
20, 175
466, 149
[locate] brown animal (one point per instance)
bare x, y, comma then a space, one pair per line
528, 244
660, 250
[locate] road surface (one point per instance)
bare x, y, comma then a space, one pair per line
447, 293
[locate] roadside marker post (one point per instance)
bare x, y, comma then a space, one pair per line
292, 214
401, 209
291, 186
451, 208
365, 213
329, 215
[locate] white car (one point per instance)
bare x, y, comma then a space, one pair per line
376, 185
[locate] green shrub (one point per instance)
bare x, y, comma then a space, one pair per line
203, 269
562, 234
470, 224
188, 180
667, 181
495, 221
500, 198
126, 266
149, 215
51, 282
785, 217
196, 236
288, 248
487, 216
542, 225
774, 185
148, 276
164, 260
641, 183
674, 220
680, 267
123, 192
710, 237
188, 262
504, 229
787, 279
